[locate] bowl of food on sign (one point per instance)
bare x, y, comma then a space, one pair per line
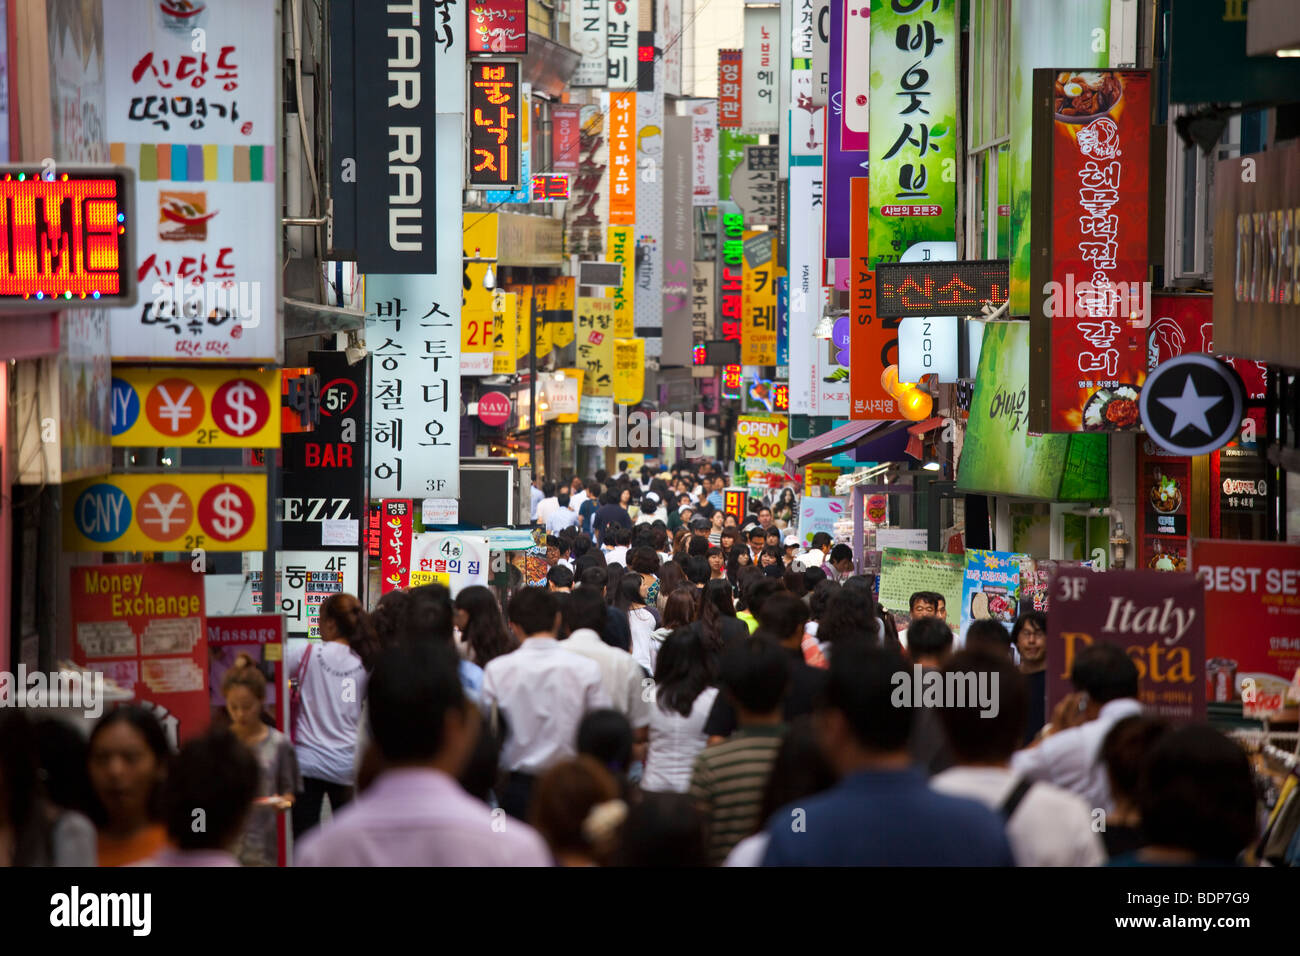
979, 606
1111, 409
1085, 96
999, 604
1166, 497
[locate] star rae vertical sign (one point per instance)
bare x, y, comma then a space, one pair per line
1193, 404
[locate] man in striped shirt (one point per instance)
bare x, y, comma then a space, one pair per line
729, 777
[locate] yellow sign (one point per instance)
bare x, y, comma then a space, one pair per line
594, 330
575, 375
161, 407
430, 577
476, 312
504, 323
622, 249
542, 296
479, 235
523, 317
819, 473
629, 371
562, 333
758, 307
762, 437
165, 512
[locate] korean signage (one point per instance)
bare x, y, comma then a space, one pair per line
66, 237
586, 212
732, 288
495, 105
524, 194
903, 572
990, 590
395, 545
932, 288
550, 187
758, 331
1252, 621
704, 152
1094, 263
873, 340
498, 26
622, 159
754, 186
761, 441
805, 266
413, 332
732, 381
730, 111
731, 154
758, 88
734, 501
141, 626
322, 495
200, 131
701, 302
462, 559
1158, 619
621, 43
594, 333
476, 321
587, 37
162, 407
566, 121
304, 581
622, 251
629, 371
505, 333
166, 512
914, 49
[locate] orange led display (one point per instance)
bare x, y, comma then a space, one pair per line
63, 238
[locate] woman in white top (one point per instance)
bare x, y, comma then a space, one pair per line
683, 699
640, 620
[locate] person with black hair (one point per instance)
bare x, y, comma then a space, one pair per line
1046, 826
728, 778
1124, 752
1029, 635
930, 646
617, 632
610, 513
483, 634
35, 828
415, 813
663, 830
716, 623
989, 636
586, 618
865, 738
683, 697
559, 578
1106, 688
770, 561
757, 541
818, 599
642, 619
127, 759
849, 616
589, 506
608, 738
562, 517
717, 562
543, 691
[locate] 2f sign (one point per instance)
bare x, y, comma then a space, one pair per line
1071, 589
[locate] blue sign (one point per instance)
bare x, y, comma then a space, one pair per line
102, 513
525, 192
783, 321
126, 406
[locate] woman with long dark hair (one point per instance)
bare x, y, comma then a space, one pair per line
483, 634
639, 620
849, 615
671, 577
717, 564
128, 758
783, 510
683, 699
34, 829
678, 611
716, 622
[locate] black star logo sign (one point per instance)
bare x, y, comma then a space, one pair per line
1192, 404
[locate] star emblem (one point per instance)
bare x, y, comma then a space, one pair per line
1189, 409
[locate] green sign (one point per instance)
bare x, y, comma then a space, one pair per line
904, 572
1000, 456
731, 153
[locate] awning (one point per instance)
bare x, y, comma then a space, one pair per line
860, 436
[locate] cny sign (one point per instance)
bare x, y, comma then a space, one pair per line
200, 132
758, 89
498, 26
594, 333
729, 83
166, 512
622, 159
183, 407
495, 104
913, 118
1157, 618
873, 341
413, 332
142, 627
395, 545
1094, 244
758, 332
622, 249
66, 237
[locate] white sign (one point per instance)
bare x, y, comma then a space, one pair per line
463, 558
200, 128
306, 580
620, 39
436, 511
807, 122
821, 49
856, 62
339, 532
587, 37
596, 409
928, 346
913, 539
673, 39
563, 397
758, 100
704, 151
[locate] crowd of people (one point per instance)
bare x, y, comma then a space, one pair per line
688, 696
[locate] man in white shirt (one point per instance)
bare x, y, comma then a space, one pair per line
1046, 826
586, 615
562, 517
542, 691
578, 494
1106, 682
548, 504
535, 496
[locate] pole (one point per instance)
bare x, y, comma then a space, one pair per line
532, 387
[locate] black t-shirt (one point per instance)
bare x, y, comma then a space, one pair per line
1037, 703
805, 684
733, 631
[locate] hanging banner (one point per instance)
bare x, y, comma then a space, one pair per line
476, 322
990, 589
704, 151
505, 322
1092, 159
142, 627
650, 231
856, 101
730, 111
524, 194
758, 89
166, 512
1157, 618
523, 318
914, 125
753, 186
805, 284
873, 340
200, 132
458, 561
629, 371
807, 121
565, 395
498, 26
839, 165
758, 331
587, 38
622, 251
621, 43
562, 332
587, 211
186, 407
678, 234
732, 281
395, 545
669, 23
904, 572
622, 158
304, 581
701, 302
566, 126
495, 108
594, 333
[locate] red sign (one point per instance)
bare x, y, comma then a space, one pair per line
873, 341
495, 101
1158, 619
498, 26
733, 503
1096, 238
1185, 323
1252, 621
729, 84
566, 138
731, 380
63, 238
551, 187
395, 545
494, 409
142, 627
1165, 504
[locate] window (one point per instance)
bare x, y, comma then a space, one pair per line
988, 130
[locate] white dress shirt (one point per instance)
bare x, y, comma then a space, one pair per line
616, 555
559, 519
535, 496
545, 507
620, 674
543, 692
644, 646
675, 742
1050, 827
1069, 758
575, 501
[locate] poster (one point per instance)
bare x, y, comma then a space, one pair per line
305, 580
594, 333
903, 573
761, 441
1164, 503
463, 559
629, 371
1159, 619
1036, 578
820, 514
990, 589
163, 407
1252, 621
142, 626
395, 545
758, 329
704, 151
498, 26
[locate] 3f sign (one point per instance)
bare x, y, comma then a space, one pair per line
1072, 588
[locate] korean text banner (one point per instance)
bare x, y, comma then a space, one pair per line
650, 159
621, 46
566, 121
730, 112
991, 589
1156, 617
495, 104
587, 37
904, 572
463, 559
1252, 621
873, 340
142, 627
200, 131
913, 126
758, 332
704, 151
505, 332
629, 371
594, 333
476, 322
587, 211
186, 406
759, 70
622, 249
622, 159
498, 26
1091, 144
413, 333
305, 580
166, 512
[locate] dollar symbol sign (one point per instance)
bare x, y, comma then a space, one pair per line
240, 399
228, 522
